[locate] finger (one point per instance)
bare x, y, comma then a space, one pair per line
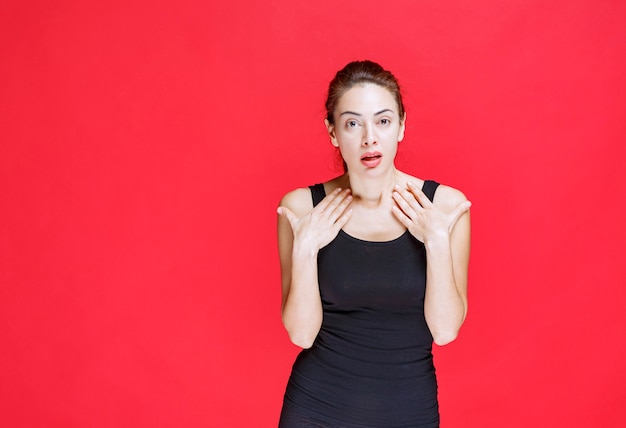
410, 198
342, 204
401, 216
289, 215
401, 202
337, 201
419, 195
342, 220
461, 209
323, 205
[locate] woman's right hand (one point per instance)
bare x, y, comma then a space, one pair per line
321, 225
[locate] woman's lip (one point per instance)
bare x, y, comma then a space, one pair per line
371, 155
371, 159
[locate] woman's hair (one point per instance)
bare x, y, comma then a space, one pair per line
356, 73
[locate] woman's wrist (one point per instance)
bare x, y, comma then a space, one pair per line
302, 251
437, 242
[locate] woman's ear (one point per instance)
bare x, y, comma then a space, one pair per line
331, 132
402, 128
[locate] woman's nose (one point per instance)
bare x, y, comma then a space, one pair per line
369, 138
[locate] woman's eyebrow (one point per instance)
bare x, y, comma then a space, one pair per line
350, 112
359, 114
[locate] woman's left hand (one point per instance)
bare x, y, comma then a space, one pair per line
421, 217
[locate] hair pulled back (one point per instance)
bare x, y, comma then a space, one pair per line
357, 73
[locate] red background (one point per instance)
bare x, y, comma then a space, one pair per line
145, 146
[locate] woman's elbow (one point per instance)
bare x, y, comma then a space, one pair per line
446, 332
301, 332
301, 339
443, 338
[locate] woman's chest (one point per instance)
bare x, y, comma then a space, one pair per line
353, 273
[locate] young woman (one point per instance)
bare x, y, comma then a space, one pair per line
374, 269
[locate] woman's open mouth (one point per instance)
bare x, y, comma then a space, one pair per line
371, 159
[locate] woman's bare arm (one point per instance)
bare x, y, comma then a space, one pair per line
302, 232
444, 228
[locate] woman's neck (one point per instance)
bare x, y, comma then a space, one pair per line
372, 192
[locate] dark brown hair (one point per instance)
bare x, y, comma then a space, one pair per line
360, 72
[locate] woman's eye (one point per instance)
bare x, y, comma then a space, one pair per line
384, 121
351, 124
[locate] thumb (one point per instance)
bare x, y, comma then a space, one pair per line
288, 214
461, 209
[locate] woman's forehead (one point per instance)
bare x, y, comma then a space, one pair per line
368, 97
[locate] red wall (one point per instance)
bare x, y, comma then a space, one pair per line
144, 149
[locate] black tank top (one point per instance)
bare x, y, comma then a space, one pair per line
371, 364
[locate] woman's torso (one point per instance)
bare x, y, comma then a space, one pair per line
371, 363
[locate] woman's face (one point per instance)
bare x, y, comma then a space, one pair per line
367, 128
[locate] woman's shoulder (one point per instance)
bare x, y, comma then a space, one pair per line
300, 200
446, 197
